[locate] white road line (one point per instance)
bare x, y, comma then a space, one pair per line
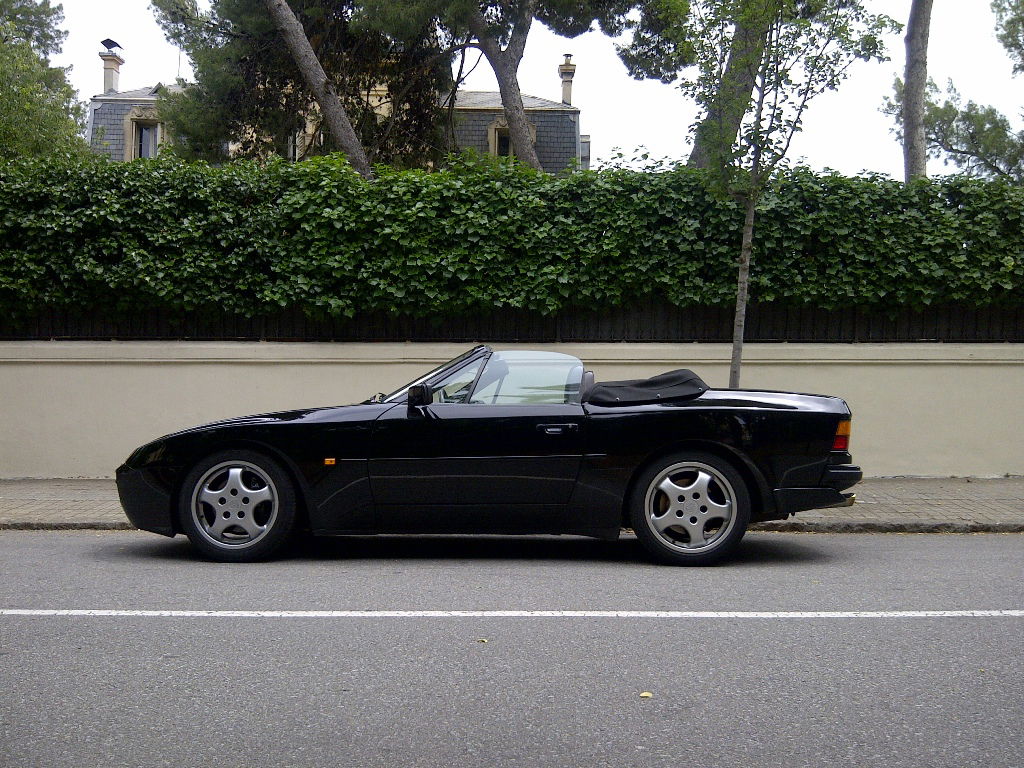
516, 614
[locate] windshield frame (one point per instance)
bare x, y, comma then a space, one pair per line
456, 362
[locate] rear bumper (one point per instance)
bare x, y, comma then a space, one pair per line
790, 500
147, 505
835, 479
841, 476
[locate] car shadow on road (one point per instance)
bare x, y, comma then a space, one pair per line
758, 550
464, 548
765, 549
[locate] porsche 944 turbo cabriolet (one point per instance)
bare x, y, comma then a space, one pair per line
502, 442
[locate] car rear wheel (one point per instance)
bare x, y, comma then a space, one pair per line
690, 509
237, 506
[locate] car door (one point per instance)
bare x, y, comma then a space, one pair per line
481, 455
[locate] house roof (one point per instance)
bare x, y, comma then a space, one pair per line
492, 100
149, 93
463, 99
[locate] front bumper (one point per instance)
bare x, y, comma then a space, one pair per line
836, 478
146, 502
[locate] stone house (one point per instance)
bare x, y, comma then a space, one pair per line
555, 127
124, 125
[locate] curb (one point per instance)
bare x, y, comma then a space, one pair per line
843, 526
823, 526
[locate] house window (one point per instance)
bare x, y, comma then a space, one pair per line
143, 132
146, 139
499, 140
304, 144
504, 143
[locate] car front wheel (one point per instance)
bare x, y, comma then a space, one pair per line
237, 506
690, 509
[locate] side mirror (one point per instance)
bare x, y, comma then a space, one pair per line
419, 394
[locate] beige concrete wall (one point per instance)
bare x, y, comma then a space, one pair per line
77, 409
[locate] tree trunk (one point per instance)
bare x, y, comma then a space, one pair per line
338, 124
515, 114
915, 80
716, 134
742, 291
505, 63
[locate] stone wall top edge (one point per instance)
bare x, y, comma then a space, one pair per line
401, 352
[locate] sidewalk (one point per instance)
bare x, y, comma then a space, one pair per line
905, 505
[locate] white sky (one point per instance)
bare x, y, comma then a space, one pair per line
843, 130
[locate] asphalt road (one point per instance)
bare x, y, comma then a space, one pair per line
130, 690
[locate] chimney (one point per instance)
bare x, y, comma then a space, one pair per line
566, 70
111, 70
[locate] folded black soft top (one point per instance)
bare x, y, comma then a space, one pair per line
674, 385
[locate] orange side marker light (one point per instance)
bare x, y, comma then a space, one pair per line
330, 462
842, 438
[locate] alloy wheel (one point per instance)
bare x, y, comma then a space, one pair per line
234, 504
690, 506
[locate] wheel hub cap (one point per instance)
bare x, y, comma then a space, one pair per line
234, 504
690, 506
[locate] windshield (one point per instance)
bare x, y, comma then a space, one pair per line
399, 394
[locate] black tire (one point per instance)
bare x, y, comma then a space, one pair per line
708, 499
237, 506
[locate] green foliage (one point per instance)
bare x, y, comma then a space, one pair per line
39, 110
35, 22
247, 238
659, 44
1010, 29
568, 18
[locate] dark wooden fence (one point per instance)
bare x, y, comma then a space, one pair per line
652, 322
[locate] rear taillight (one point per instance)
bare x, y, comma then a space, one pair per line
841, 442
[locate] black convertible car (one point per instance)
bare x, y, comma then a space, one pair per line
502, 442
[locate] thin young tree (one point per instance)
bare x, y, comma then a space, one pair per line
720, 125
807, 49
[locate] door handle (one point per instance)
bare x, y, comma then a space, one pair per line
556, 429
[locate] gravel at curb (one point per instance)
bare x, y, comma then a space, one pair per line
67, 526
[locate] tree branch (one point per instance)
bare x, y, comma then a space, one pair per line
520, 31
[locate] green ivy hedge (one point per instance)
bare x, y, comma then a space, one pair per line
249, 239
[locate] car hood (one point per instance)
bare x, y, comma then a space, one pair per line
161, 449
336, 413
